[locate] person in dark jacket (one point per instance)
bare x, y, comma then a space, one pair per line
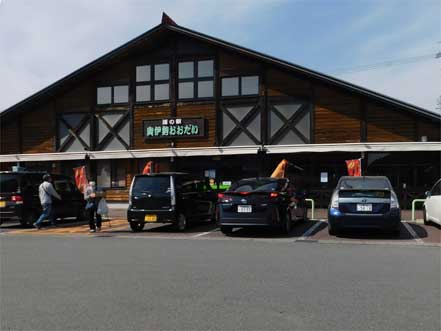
91, 207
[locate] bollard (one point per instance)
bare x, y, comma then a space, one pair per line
312, 207
413, 206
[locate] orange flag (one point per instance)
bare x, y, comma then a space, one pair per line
149, 168
354, 167
279, 172
80, 177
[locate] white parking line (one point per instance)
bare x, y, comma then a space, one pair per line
310, 230
412, 233
204, 233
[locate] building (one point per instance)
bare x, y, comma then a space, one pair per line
196, 103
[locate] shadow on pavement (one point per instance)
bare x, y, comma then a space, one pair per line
298, 229
61, 223
192, 228
375, 234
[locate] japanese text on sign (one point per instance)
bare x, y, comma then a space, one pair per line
174, 127
175, 130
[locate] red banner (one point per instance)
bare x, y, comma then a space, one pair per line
80, 177
150, 168
354, 167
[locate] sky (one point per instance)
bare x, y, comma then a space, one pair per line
387, 46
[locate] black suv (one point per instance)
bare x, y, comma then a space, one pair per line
19, 200
170, 197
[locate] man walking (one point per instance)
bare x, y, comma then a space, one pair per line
46, 191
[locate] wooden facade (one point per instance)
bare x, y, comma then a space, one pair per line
328, 111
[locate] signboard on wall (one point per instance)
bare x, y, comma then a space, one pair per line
174, 128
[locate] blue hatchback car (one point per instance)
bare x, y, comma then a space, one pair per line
364, 202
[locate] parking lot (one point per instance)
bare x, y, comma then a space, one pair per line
312, 230
202, 279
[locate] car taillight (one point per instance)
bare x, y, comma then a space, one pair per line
274, 195
18, 199
394, 201
334, 201
223, 198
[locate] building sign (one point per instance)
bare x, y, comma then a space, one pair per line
174, 128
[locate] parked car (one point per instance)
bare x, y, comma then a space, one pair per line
432, 205
176, 198
364, 202
19, 199
259, 202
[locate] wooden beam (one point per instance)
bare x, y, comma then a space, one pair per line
363, 120
217, 96
113, 131
265, 107
241, 126
132, 92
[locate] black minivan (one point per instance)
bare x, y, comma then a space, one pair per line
170, 197
19, 199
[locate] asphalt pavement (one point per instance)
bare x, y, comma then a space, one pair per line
126, 283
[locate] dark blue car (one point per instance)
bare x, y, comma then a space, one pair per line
364, 202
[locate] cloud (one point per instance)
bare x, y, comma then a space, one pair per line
418, 83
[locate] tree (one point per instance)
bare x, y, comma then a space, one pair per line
438, 103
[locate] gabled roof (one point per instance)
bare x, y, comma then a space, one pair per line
167, 24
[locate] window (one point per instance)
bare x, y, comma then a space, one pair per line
102, 174
143, 73
238, 86
113, 130
118, 173
196, 79
104, 95
121, 94
73, 132
289, 122
108, 95
436, 190
241, 125
111, 174
63, 186
153, 82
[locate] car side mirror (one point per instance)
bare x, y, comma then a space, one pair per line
427, 194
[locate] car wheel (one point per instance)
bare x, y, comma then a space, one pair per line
137, 226
29, 218
287, 223
332, 230
227, 230
425, 218
181, 224
395, 232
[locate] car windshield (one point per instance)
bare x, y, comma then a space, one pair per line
361, 183
255, 185
152, 184
8, 183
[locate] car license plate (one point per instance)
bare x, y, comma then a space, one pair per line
364, 207
244, 209
150, 218
2, 204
